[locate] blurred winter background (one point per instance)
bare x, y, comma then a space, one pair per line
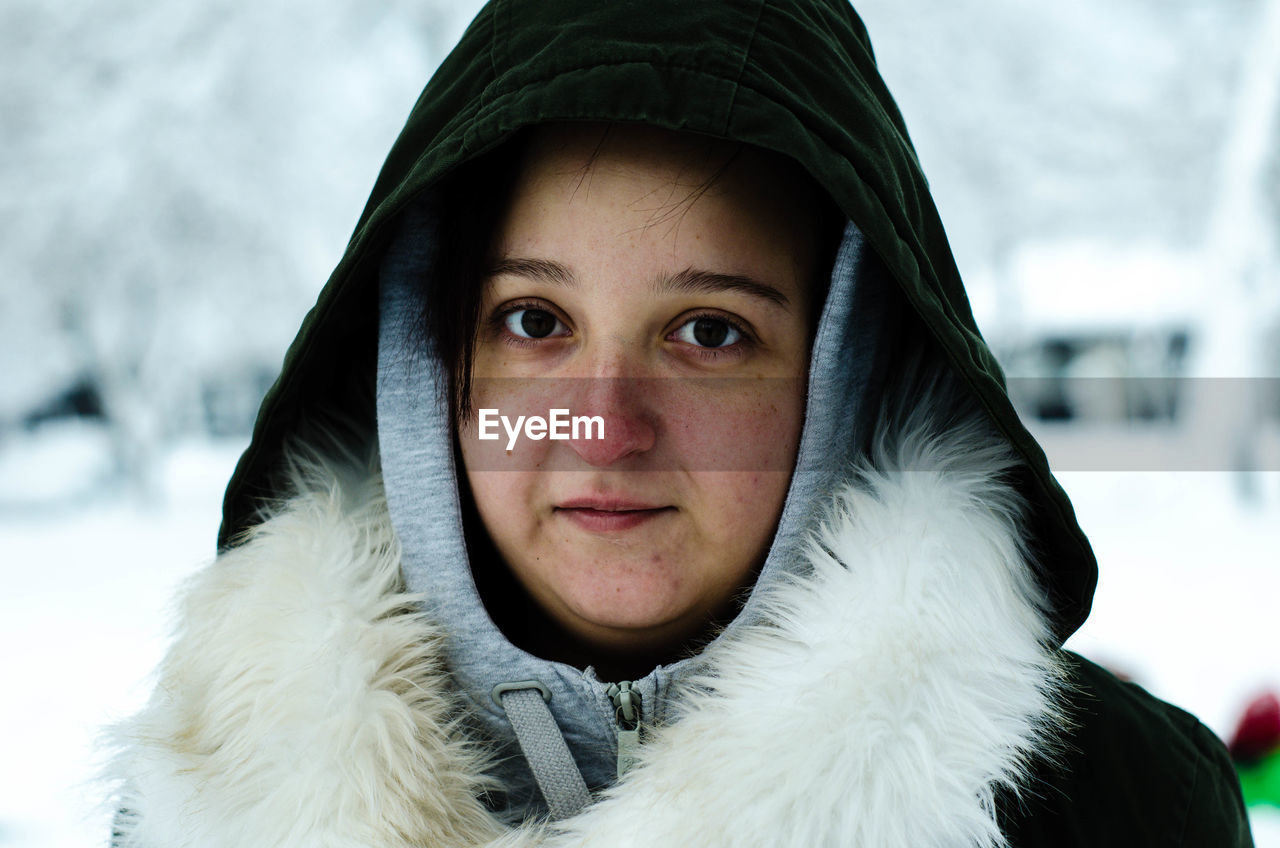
178, 179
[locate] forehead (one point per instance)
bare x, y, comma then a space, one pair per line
655, 181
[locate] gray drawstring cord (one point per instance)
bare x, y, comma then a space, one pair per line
543, 745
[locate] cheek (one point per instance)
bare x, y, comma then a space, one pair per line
739, 424
739, 439
506, 503
507, 403
503, 498
497, 501
737, 514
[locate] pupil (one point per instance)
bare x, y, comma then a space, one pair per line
537, 323
709, 332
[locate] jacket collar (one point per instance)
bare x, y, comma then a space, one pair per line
883, 698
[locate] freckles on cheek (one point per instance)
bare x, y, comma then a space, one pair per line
741, 440
737, 424
671, 576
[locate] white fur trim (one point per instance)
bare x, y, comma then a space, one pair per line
303, 703
899, 685
905, 681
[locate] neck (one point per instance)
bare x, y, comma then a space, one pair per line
527, 626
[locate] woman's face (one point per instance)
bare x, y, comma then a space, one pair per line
624, 287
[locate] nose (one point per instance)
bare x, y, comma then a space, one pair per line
616, 394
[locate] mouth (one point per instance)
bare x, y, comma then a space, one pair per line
610, 514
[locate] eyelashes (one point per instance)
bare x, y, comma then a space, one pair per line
504, 320
532, 319
733, 339
716, 332
706, 334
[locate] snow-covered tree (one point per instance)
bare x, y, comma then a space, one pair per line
179, 179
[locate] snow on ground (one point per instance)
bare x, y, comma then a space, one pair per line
1189, 566
1190, 581
1266, 826
62, 463
83, 616
1188, 585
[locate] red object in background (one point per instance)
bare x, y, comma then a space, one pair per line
1258, 733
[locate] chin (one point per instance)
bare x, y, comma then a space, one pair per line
644, 623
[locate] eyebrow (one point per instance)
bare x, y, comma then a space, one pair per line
694, 280
690, 280
543, 270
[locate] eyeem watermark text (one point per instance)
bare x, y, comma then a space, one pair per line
557, 425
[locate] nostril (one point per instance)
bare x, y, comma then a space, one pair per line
620, 436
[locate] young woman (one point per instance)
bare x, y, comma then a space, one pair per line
641, 478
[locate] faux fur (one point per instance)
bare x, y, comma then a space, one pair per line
303, 702
900, 684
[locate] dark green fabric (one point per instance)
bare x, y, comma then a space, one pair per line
795, 77
1135, 771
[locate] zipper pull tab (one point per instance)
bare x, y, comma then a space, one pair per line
626, 711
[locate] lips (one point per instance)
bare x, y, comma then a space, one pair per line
607, 504
605, 514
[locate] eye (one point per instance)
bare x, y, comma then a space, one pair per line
531, 323
706, 331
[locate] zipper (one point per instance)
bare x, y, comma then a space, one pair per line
626, 713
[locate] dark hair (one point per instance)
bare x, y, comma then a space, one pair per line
472, 202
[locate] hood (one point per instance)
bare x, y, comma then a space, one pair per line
797, 78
